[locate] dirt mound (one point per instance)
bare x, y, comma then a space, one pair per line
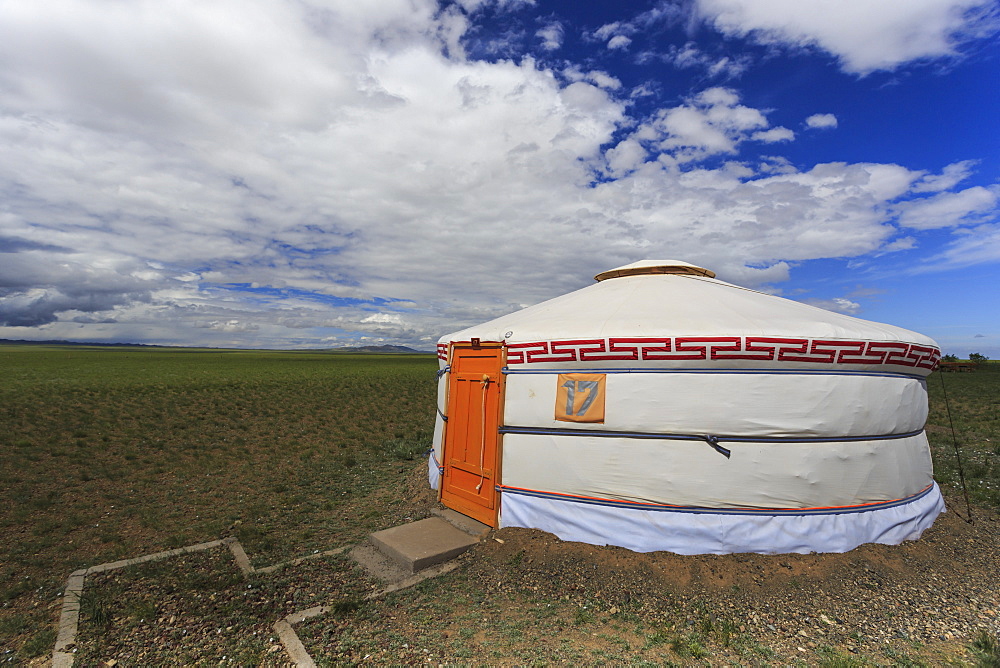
933, 591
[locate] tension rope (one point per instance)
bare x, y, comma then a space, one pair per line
482, 444
958, 452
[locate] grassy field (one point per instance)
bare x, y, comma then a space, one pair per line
973, 409
114, 453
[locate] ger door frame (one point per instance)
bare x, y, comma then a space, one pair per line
472, 446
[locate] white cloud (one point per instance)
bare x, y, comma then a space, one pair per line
193, 67
625, 157
900, 244
283, 173
836, 304
604, 80
596, 77
690, 56
731, 217
949, 177
774, 135
229, 188
609, 30
230, 326
552, 36
475, 5
971, 246
759, 276
775, 164
618, 34
619, 42
949, 208
821, 121
865, 36
712, 122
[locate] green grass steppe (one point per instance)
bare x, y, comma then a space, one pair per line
966, 428
114, 453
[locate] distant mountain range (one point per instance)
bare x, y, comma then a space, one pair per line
379, 349
53, 342
353, 349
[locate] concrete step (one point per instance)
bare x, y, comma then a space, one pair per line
474, 528
422, 544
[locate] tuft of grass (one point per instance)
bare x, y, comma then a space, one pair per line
96, 608
407, 449
832, 658
40, 643
344, 607
688, 645
20, 587
14, 625
142, 610
985, 650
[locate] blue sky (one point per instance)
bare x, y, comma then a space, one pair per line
306, 173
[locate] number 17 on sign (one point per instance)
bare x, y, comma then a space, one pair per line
580, 397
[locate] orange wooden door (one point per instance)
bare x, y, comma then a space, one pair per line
471, 457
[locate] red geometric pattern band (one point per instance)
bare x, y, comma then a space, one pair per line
759, 348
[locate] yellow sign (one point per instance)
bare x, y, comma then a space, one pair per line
580, 397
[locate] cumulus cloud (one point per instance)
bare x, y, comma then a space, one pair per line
733, 217
712, 122
821, 121
596, 77
284, 173
609, 30
773, 135
690, 56
949, 177
949, 209
864, 36
617, 34
970, 246
619, 42
40, 284
552, 36
229, 326
837, 304
625, 156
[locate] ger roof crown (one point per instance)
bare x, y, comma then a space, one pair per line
646, 267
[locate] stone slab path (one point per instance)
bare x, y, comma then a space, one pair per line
401, 557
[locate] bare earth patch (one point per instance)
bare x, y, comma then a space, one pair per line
113, 455
532, 599
524, 597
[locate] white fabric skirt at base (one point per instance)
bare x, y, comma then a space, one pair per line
717, 533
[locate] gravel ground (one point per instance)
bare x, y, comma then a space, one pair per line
928, 596
200, 609
525, 597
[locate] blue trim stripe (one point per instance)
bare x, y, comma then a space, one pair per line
658, 507
775, 372
547, 431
